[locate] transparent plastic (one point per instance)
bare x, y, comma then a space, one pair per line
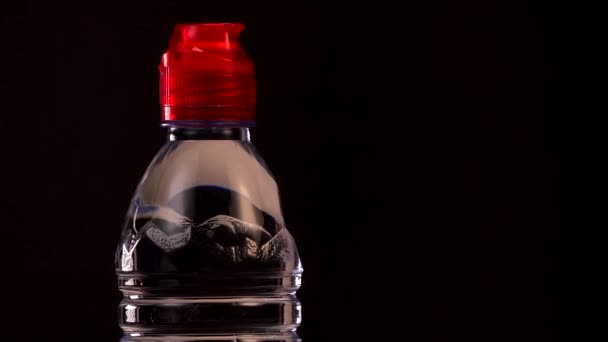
204, 253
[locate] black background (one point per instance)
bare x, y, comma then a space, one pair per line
421, 152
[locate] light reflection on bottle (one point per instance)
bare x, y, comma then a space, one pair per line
225, 338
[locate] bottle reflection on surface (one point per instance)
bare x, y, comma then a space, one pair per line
287, 337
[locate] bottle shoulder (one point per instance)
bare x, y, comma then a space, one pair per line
228, 164
208, 205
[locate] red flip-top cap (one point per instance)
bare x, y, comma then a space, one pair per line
206, 76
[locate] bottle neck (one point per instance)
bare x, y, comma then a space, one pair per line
178, 131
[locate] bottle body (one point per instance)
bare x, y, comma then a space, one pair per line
204, 253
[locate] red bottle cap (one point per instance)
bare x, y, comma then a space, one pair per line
206, 76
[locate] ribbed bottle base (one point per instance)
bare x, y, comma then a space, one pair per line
242, 307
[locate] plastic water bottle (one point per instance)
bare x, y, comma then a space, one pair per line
204, 254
